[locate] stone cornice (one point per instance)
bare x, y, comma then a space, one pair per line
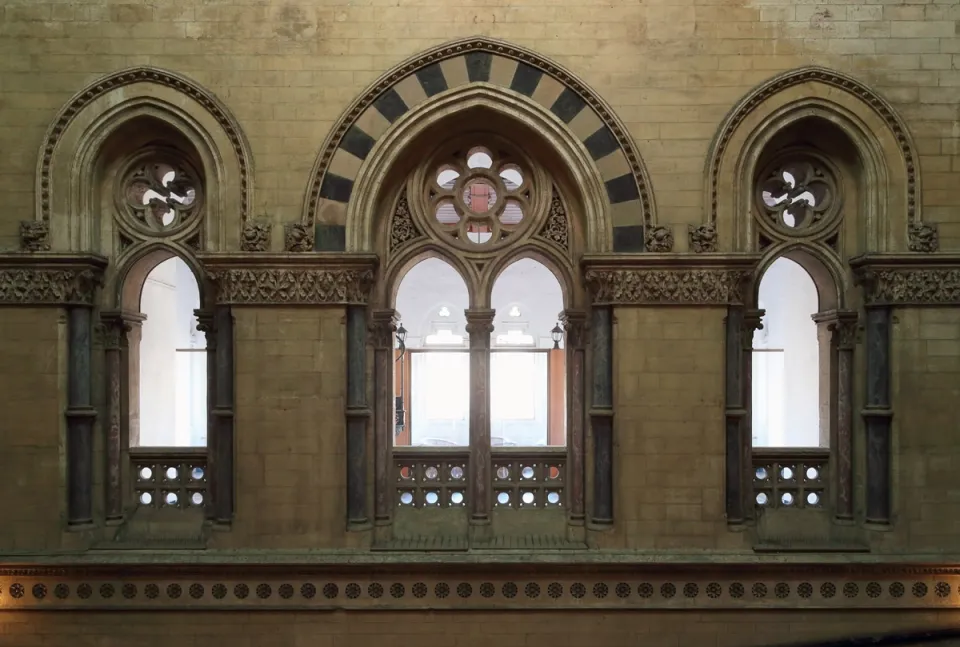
909, 279
50, 278
317, 278
668, 279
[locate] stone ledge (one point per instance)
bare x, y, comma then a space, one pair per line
909, 279
50, 278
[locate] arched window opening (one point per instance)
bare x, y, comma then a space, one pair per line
786, 360
527, 360
173, 360
432, 376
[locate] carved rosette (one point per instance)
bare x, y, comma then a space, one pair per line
50, 280
703, 239
298, 237
659, 239
34, 236
923, 237
680, 286
556, 228
255, 236
402, 228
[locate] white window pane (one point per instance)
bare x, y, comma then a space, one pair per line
518, 399
440, 398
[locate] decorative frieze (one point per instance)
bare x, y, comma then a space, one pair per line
41, 278
908, 280
165, 587
282, 279
668, 279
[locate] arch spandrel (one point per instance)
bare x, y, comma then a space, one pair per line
877, 132
423, 83
84, 123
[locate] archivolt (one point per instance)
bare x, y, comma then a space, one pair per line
858, 93
489, 62
142, 74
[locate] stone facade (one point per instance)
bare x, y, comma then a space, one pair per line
299, 128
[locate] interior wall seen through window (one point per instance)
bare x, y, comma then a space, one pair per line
173, 360
786, 371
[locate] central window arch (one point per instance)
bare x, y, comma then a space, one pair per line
480, 285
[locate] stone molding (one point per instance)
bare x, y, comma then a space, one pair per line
932, 279
317, 278
253, 587
668, 279
44, 278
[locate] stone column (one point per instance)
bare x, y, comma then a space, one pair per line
480, 327
80, 416
738, 435
843, 342
601, 413
220, 438
877, 414
116, 327
357, 416
384, 329
207, 324
575, 325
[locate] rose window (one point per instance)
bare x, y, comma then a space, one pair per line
797, 194
479, 197
162, 196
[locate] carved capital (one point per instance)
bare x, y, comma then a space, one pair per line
896, 279
298, 237
923, 237
479, 326
50, 278
383, 328
752, 322
659, 239
575, 325
286, 279
116, 324
206, 323
34, 236
703, 238
844, 329
255, 236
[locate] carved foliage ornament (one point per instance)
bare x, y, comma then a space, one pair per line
48, 286
659, 239
910, 286
298, 237
666, 286
34, 236
402, 227
296, 286
255, 236
703, 239
923, 237
556, 228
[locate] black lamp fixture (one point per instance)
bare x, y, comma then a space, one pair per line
556, 334
399, 419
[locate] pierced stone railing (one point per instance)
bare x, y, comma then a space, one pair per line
529, 479
790, 478
434, 478
169, 477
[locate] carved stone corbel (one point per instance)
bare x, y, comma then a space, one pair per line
703, 238
923, 237
255, 236
34, 236
298, 237
659, 239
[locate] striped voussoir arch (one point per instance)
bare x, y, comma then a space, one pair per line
480, 60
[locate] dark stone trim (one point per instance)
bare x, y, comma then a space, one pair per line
391, 105
878, 415
357, 424
568, 105
356, 142
526, 79
432, 79
329, 238
602, 143
222, 449
601, 415
629, 238
336, 188
622, 189
478, 66
80, 417
735, 416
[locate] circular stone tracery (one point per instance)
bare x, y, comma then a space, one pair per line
798, 194
160, 193
480, 197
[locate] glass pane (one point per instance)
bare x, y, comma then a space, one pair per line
519, 401
440, 399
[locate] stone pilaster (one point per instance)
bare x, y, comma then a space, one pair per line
480, 327
358, 416
575, 326
384, 330
601, 413
80, 416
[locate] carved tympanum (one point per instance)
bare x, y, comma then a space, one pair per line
923, 237
255, 236
659, 239
703, 239
297, 237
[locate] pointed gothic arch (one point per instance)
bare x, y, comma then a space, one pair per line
873, 126
86, 121
597, 143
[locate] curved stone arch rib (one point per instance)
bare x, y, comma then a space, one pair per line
860, 92
479, 60
122, 78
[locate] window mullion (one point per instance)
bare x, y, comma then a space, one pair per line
480, 327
